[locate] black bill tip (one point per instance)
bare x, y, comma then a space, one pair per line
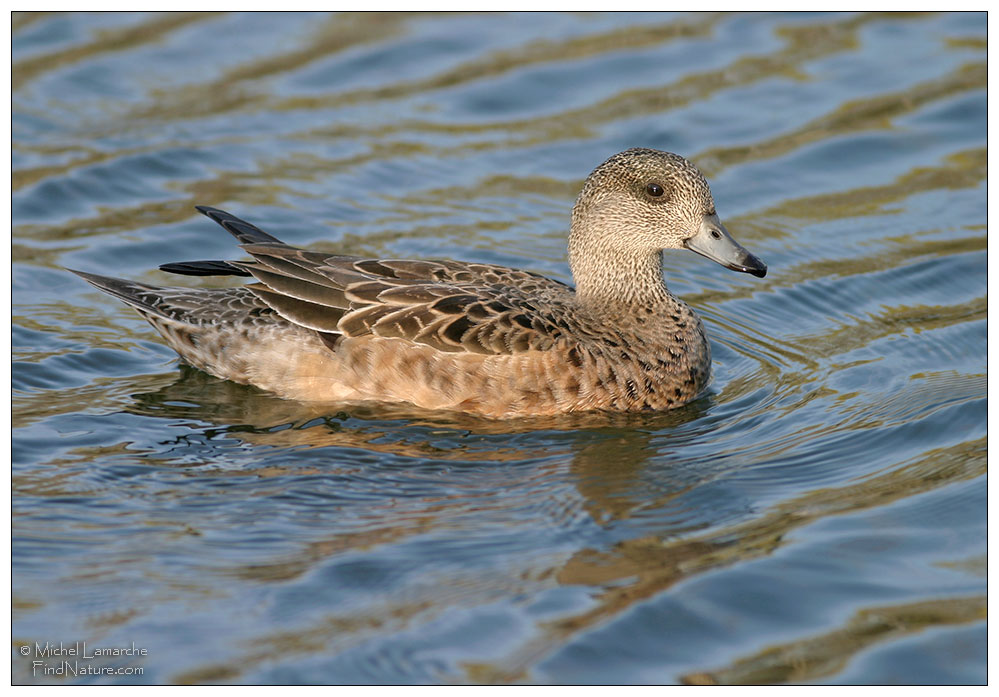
751, 264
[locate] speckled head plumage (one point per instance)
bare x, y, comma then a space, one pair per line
661, 197
636, 204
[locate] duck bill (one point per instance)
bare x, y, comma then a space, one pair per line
713, 241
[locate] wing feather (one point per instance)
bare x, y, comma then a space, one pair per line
449, 305
322, 318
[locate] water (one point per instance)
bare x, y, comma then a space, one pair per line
818, 516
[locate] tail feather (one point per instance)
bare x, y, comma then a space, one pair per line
141, 296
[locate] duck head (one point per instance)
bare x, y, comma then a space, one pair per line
642, 201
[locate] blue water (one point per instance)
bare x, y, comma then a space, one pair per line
818, 516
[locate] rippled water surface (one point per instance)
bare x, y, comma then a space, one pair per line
819, 515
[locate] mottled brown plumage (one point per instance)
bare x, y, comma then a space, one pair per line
462, 336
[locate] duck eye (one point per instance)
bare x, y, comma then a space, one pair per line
654, 190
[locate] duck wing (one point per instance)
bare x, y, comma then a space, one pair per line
246, 233
451, 306
424, 302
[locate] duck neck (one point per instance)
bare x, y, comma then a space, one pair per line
615, 277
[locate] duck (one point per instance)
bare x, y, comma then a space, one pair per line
469, 337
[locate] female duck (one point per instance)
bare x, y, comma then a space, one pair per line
476, 338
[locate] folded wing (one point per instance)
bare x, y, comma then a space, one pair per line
450, 306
